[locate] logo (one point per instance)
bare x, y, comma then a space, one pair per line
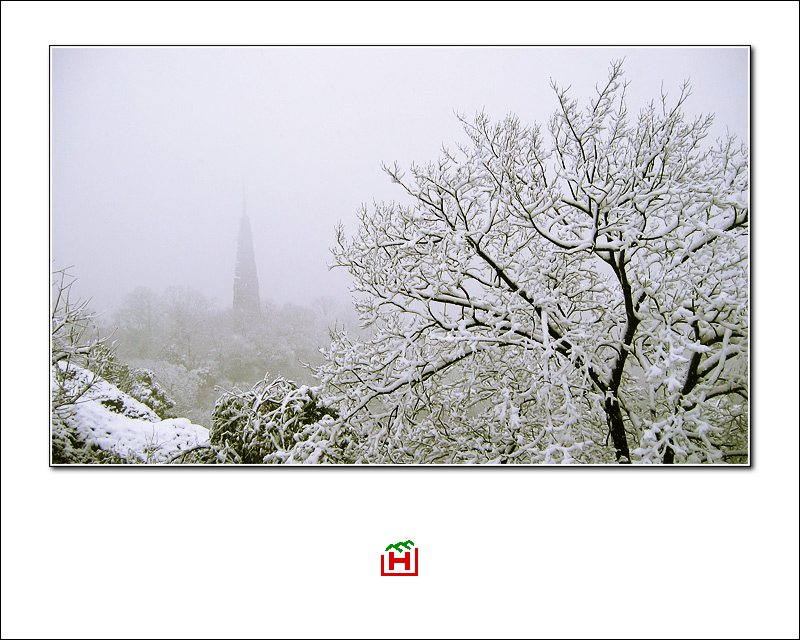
399, 560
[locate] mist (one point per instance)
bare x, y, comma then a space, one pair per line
152, 148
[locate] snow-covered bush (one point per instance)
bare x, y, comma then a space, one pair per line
274, 422
142, 385
109, 426
192, 391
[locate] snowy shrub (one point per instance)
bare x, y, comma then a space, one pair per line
274, 422
142, 385
192, 391
109, 426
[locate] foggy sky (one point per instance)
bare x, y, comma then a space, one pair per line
151, 147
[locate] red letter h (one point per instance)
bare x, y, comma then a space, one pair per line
405, 561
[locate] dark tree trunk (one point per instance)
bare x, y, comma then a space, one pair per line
617, 426
669, 454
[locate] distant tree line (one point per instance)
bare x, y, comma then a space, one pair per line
196, 349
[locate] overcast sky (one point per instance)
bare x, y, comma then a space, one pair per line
151, 147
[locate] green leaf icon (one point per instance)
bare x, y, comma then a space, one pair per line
399, 546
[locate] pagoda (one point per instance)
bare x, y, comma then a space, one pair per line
246, 297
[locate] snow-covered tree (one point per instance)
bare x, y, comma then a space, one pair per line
74, 340
578, 294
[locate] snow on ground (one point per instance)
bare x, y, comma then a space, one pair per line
112, 420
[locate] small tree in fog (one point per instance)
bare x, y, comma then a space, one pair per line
142, 324
575, 294
186, 312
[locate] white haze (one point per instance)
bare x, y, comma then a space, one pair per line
151, 147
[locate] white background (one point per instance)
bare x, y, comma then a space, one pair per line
295, 553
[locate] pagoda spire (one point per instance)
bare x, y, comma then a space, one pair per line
246, 296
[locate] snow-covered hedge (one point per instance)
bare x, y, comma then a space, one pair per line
105, 425
274, 422
141, 384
